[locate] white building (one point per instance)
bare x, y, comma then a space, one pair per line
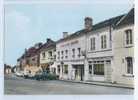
123, 49
97, 52
47, 56
70, 62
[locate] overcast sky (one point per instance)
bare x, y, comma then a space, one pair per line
27, 24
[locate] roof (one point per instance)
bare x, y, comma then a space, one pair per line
31, 52
109, 22
49, 44
127, 19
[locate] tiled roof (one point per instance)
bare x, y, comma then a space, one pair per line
48, 45
128, 19
109, 22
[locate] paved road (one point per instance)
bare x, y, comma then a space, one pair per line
16, 85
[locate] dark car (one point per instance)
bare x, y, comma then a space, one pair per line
40, 75
45, 75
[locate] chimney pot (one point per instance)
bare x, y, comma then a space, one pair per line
48, 39
88, 23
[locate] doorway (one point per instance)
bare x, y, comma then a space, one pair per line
79, 72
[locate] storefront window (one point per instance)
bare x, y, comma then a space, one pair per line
98, 69
65, 69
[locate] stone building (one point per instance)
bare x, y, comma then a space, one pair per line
99, 50
29, 61
93, 53
123, 50
47, 56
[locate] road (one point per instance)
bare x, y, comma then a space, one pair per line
18, 86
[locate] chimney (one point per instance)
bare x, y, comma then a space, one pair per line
37, 45
48, 39
65, 34
88, 23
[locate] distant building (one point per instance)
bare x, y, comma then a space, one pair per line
29, 61
47, 56
7, 69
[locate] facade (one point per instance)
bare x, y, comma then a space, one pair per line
98, 52
70, 61
123, 48
47, 56
29, 61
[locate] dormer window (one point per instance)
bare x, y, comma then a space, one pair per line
128, 37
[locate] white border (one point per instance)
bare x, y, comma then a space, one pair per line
65, 97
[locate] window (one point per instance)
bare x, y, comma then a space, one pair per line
62, 53
90, 69
128, 37
43, 55
58, 68
98, 69
54, 56
54, 70
79, 52
103, 41
73, 53
50, 53
65, 69
33, 59
129, 65
92, 43
58, 54
66, 53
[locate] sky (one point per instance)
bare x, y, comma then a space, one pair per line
30, 23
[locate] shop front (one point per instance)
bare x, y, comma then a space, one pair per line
100, 70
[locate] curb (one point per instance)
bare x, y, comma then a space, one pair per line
99, 84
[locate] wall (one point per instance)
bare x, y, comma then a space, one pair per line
120, 52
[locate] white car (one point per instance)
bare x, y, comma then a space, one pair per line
19, 74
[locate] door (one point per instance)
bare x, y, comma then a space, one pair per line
79, 72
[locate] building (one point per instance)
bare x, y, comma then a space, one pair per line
123, 49
93, 53
7, 69
47, 56
99, 51
29, 61
69, 57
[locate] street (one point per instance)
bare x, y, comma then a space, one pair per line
17, 85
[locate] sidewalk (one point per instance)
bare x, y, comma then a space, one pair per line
101, 83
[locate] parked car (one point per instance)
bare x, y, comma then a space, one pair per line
28, 76
40, 75
45, 76
20, 74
